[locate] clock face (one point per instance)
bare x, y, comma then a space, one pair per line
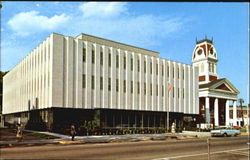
199, 52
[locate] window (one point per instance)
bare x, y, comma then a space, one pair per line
131, 86
117, 61
156, 90
93, 82
109, 84
101, 83
124, 60
109, 60
178, 72
162, 70
84, 54
124, 86
151, 89
117, 85
101, 57
138, 87
145, 89
162, 91
93, 56
145, 67
131, 64
156, 68
83, 81
150, 67
138, 64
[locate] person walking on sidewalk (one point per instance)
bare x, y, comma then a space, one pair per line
72, 132
19, 134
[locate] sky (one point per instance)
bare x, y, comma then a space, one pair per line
169, 28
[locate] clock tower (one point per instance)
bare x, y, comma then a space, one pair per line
205, 58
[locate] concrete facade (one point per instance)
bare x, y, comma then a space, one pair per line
88, 72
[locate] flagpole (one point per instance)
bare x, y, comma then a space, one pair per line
169, 88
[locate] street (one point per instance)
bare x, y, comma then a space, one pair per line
230, 148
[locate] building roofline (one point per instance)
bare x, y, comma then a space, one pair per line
116, 42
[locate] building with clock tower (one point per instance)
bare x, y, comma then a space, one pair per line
215, 93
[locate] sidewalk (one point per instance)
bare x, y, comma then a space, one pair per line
65, 139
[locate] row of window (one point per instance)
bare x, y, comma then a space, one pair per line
124, 62
125, 88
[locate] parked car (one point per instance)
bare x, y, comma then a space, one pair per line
225, 131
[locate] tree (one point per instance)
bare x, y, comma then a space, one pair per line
241, 101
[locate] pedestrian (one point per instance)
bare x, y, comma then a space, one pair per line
173, 127
72, 132
19, 134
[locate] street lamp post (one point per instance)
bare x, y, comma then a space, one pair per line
241, 101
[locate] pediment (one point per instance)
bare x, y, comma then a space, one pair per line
221, 85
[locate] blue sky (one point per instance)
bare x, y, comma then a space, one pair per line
168, 28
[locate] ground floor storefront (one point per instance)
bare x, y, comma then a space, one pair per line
100, 121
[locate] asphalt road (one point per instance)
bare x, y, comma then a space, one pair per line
229, 148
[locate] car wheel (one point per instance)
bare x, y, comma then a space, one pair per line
235, 135
224, 135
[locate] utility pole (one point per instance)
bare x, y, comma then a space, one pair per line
241, 101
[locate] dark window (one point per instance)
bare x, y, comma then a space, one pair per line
124, 62
109, 60
162, 70
145, 67
131, 86
178, 73
156, 90
117, 85
138, 87
117, 61
93, 56
151, 67
131, 64
145, 89
109, 84
84, 54
93, 82
83, 81
124, 86
151, 89
101, 57
101, 83
138, 64
162, 91
156, 68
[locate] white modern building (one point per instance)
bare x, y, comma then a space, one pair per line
215, 94
69, 80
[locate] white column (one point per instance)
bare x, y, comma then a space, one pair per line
207, 110
227, 112
234, 113
216, 112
